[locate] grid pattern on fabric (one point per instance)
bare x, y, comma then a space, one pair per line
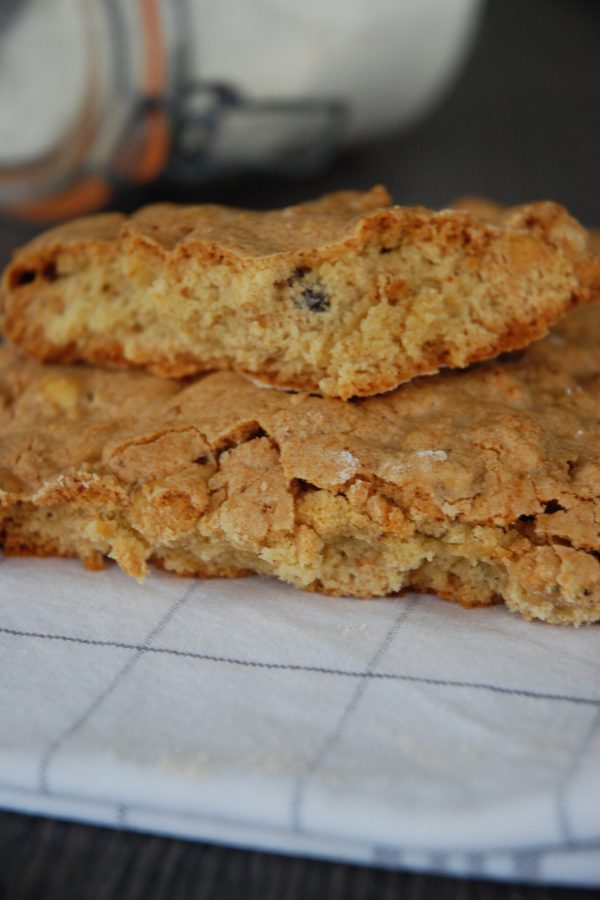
398, 732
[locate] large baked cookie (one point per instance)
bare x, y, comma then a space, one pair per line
345, 296
482, 486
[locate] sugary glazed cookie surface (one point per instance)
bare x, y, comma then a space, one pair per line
344, 296
482, 486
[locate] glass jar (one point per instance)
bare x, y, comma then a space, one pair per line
95, 94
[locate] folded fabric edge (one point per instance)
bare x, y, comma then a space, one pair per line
576, 864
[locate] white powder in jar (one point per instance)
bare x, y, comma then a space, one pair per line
42, 76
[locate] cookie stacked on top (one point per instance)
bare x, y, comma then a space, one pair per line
354, 476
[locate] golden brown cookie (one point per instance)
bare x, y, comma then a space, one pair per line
344, 296
492, 211
480, 207
482, 485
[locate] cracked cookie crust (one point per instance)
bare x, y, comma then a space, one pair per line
344, 296
481, 486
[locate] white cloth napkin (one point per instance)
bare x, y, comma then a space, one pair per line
403, 732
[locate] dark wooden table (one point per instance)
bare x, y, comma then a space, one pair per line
522, 122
